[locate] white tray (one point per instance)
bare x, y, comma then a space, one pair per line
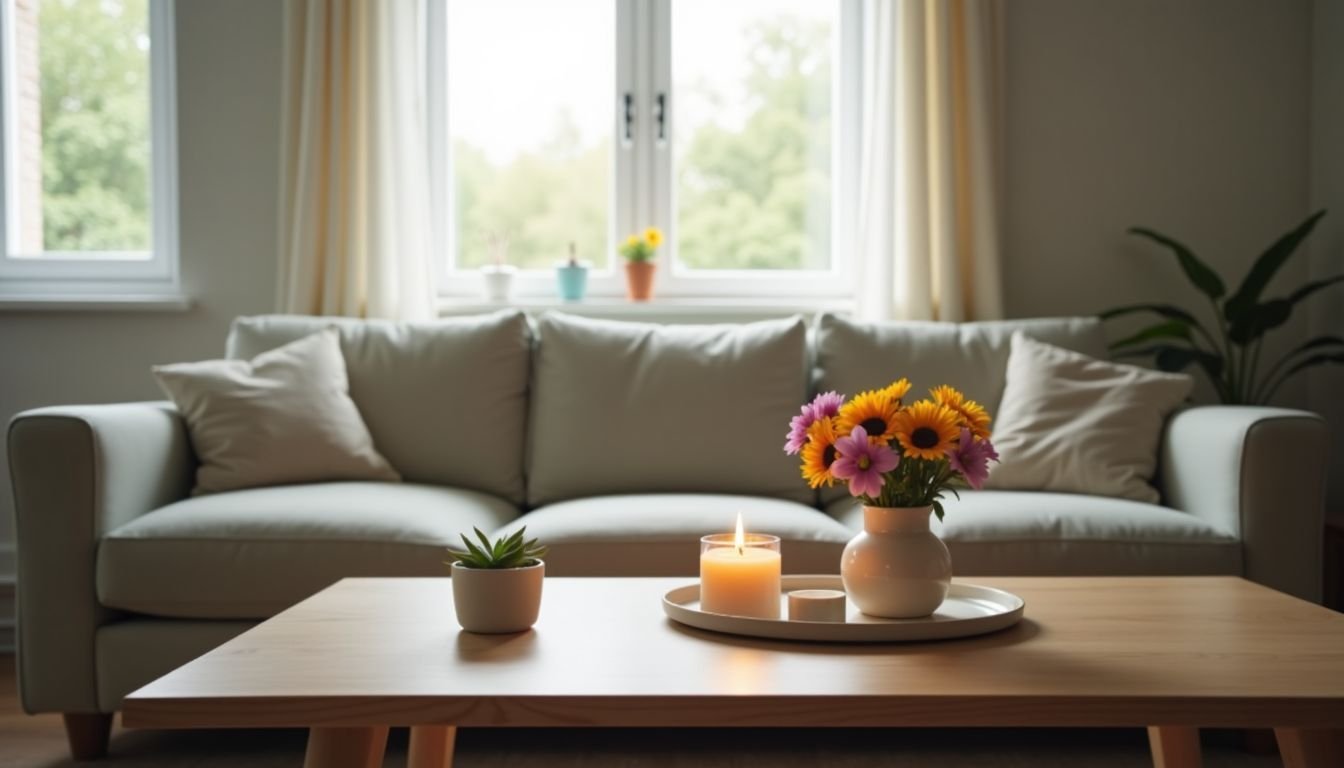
968, 610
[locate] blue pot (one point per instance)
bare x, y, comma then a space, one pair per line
572, 280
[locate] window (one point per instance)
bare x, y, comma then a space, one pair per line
729, 124
89, 174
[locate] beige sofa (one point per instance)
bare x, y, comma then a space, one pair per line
617, 444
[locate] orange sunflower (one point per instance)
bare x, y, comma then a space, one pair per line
819, 453
874, 410
926, 429
970, 414
897, 389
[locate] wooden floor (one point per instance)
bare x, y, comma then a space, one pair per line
28, 741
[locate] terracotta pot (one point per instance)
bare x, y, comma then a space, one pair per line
493, 601
639, 279
896, 568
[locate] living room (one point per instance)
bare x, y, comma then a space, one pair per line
802, 186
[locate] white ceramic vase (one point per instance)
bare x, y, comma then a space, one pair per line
498, 282
896, 568
497, 600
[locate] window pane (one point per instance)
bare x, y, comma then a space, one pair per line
82, 144
531, 85
751, 84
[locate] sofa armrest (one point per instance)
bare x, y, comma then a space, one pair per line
77, 473
1258, 474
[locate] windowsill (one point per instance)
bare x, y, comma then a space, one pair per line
719, 309
95, 303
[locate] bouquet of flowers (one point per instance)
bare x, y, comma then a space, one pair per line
892, 454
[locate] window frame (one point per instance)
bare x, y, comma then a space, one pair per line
78, 273
646, 27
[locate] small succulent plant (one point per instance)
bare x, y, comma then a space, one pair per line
507, 551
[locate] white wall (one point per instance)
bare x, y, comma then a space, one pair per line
228, 100
1327, 191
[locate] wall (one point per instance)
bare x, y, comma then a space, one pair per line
1188, 117
228, 98
1327, 191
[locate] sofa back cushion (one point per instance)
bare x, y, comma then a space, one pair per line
637, 408
854, 356
444, 400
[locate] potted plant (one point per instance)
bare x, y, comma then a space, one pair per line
638, 251
899, 460
497, 586
498, 274
572, 276
1228, 348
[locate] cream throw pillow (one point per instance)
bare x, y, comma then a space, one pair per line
284, 417
1072, 423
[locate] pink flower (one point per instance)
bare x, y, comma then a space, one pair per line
862, 463
822, 406
971, 458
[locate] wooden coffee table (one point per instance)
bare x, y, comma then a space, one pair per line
1171, 654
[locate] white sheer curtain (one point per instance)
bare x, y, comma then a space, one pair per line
928, 229
354, 219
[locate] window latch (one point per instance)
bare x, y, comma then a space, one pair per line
629, 135
660, 115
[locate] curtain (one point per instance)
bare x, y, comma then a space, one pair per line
354, 211
928, 226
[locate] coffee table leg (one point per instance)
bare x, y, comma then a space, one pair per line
1310, 748
346, 747
1174, 746
431, 746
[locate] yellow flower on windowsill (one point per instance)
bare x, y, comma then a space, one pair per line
653, 236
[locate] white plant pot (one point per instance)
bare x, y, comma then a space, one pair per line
497, 600
498, 282
896, 568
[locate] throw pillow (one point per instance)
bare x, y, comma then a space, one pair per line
284, 417
1072, 423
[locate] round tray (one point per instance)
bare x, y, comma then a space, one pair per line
968, 610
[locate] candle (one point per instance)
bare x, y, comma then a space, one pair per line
740, 574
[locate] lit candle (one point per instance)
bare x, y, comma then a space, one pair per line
740, 574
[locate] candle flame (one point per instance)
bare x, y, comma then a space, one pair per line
740, 539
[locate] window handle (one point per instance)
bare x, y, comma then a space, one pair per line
629, 118
660, 115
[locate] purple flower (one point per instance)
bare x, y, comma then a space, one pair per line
971, 458
862, 463
825, 405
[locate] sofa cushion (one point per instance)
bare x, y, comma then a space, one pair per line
972, 357
638, 408
445, 401
1018, 533
249, 554
659, 534
1072, 423
283, 417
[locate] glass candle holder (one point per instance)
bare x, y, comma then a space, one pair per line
740, 579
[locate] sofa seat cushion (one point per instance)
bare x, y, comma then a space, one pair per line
1018, 533
659, 534
250, 554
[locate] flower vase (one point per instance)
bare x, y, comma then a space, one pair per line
896, 568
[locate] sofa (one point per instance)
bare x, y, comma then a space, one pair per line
618, 445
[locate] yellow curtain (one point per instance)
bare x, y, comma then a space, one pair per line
929, 235
354, 219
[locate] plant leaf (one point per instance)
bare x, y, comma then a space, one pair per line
1171, 329
1165, 310
1319, 341
1199, 273
1251, 325
1266, 267
1335, 358
1314, 286
485, 540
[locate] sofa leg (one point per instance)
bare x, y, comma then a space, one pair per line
87, 733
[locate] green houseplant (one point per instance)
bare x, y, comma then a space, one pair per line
497, 585
1228, 349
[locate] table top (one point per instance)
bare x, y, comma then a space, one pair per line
1212, 651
